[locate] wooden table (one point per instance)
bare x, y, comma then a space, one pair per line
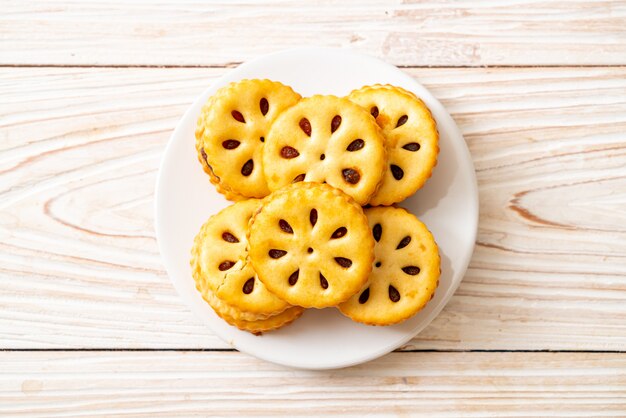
89, 322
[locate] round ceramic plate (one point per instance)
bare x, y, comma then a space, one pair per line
320, 339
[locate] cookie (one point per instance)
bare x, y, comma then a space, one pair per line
406, 269
219, 263
410, 135
311, 245
231, 132
326, 139
224, 311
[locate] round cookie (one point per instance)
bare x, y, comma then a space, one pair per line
326, 139
411, 138
310, 244
225, 311
219, 263
231, 132
406, 269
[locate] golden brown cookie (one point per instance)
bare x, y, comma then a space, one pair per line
225, 311
219, 263
231, 132
311, 245
326, 139
411, 138
406, 269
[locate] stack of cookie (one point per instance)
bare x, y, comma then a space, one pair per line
301, 171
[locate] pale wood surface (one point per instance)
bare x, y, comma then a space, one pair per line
79, 164
181, 384
227, 384
79, 152
411, 33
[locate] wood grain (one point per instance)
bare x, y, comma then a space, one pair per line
188, 384
410, 33
79, 152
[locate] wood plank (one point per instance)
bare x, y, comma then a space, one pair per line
69, 384
411, 33
79, 265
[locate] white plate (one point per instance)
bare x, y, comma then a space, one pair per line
320, 339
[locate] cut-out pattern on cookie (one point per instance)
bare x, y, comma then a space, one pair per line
406, 271
311, 245
219, 264
328, 140
411, 137
231, 134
